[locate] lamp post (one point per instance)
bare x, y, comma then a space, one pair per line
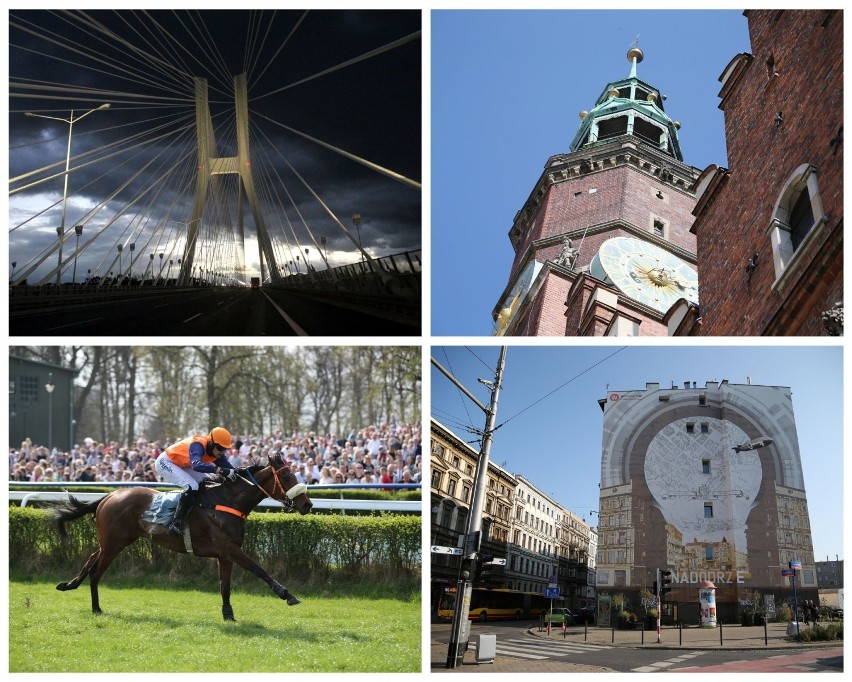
307, 260
70, 121
120, 272
14, 265
49, 386
78, 230
357, 220
130, 264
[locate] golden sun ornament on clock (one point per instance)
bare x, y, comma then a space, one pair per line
645, 273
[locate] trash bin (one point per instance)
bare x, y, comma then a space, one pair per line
486, 648
707, 602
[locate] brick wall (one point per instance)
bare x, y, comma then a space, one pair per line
806, 50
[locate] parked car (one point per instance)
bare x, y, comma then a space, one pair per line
586, 615
561, 615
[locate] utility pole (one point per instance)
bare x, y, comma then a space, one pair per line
460, 632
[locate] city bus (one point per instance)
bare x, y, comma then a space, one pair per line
488, 605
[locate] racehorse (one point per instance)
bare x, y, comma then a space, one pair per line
216, 525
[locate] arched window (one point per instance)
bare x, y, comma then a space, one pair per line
797, 218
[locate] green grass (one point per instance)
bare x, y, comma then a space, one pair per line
149, 628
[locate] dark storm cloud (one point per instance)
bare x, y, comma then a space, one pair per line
371, 109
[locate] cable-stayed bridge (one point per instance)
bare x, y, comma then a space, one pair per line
264, 163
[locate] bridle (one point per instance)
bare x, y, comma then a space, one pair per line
290, 495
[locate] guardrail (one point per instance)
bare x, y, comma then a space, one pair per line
341, 504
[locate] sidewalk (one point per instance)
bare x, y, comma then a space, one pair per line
732, 637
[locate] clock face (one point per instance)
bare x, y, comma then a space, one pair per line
645, 272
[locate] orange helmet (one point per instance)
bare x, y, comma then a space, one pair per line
221, 437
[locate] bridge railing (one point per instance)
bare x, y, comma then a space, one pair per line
399, 274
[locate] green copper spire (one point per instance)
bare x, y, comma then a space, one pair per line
629, 107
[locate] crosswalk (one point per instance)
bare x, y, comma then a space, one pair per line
542, 649
668, 663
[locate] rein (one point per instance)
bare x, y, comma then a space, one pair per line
290, 495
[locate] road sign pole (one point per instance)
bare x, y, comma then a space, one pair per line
659, 605
460, 631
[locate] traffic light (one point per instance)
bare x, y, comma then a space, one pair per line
665, 582
486, 571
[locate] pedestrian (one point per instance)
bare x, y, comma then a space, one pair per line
806, 611
814, 613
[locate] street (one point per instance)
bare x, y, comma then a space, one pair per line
520, 646
214, 311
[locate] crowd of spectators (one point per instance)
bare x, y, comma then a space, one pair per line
391, 453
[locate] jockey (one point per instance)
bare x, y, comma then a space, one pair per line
189, 461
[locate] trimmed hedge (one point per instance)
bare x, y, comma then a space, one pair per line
309, 549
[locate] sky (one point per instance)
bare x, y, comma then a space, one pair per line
551, 426
507, 89
371, 109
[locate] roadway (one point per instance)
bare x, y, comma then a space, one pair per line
215, 311
522, 648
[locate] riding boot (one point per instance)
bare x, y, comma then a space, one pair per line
187, 497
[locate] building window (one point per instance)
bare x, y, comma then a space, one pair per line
456, 462
708, 553
705, 427
770, 66
451, 488
708, 510
798, 216
659, 228
465, 493
705, 466
436, 480
690, 427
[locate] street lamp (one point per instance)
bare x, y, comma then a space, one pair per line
130, 264
307, 260
357, 220
78, 230
49, 386
70, 121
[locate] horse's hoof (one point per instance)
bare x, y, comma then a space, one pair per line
292, 601
62, 587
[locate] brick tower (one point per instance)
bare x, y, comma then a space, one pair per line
603, 243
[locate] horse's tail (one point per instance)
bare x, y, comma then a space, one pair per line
70, 510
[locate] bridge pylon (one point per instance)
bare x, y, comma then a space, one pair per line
211, 165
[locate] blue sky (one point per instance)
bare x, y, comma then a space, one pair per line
556, 443
507, 88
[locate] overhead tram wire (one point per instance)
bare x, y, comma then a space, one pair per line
560, 387
461, 395
490, 369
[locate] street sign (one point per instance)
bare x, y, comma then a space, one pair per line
497, 562
551, 593
787, 572
796, 565
439, 549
